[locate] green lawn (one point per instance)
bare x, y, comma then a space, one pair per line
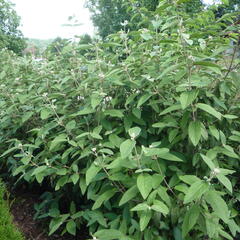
7, 229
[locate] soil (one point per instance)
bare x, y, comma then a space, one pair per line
22, 209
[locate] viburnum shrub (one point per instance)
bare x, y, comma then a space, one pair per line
136, 139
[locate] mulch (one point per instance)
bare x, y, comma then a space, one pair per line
22, 209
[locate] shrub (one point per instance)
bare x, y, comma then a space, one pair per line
139, 140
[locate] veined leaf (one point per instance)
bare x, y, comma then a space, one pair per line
209, 110
91, 173
207, 64
195, 191
186, 98
114, 113
225, 181
190, 219
155, 151
103, 197
144, 184
194, 132
143, 99
85, 111
141, 207
128, 195
170, 157
160, 207
208, 161
126, 148
218, 204
145, 219
71, 227
189, 179
171, 109
108, 234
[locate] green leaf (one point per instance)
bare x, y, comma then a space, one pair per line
91, 173
85, 111
114, 113
218, 205
229, 116
186, 98
109, 234
160, 207
134, 132
207, 64
126, 148
141, 207
71, 227
71, 125
214, 132
190, 219
155, 151
96, 136
145, 218
195, 191
128, 195
143, 99
75, 178
170, 157
194, 132
45, 113
103, 197
209, 110
144, 184
56, 223
225, 181
208, 161
189, 179
39, 170
171, 109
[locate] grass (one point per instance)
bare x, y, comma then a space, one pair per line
7, 229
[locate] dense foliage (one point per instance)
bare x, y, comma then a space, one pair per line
7, 229
139, 137
10, 36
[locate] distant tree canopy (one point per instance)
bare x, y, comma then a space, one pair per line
10, 36
107, 15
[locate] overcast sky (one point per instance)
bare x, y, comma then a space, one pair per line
43, 19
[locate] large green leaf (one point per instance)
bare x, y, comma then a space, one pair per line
144, 184
209, 109
160, 207
128, 195
186, 98
91, 172
108, 234
103, 197
195, 191
218, 205
225, 181
145, 218
126, 148
190, 219
194, 132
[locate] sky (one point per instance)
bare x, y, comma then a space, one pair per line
43, 19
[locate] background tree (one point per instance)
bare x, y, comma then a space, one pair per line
107, 15
10, 36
